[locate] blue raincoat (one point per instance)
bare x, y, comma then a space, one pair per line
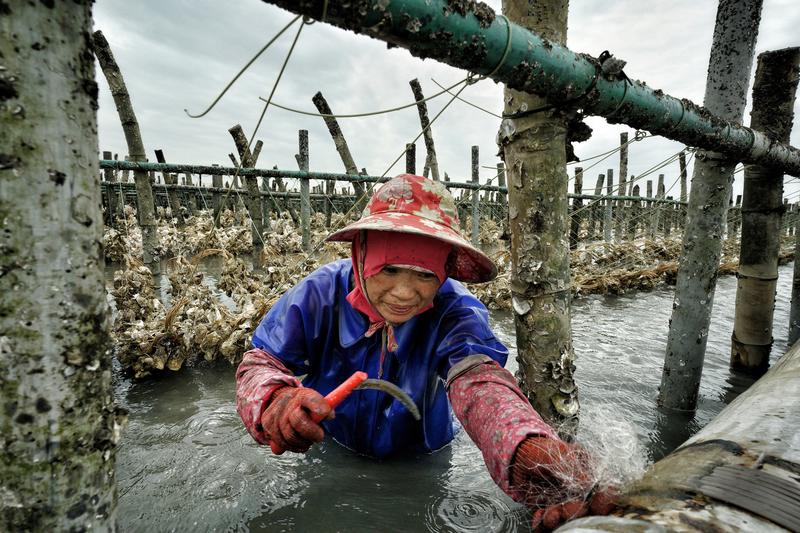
315, 332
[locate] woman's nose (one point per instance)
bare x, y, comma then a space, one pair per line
403, 289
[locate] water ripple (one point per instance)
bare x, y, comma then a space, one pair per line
478, 512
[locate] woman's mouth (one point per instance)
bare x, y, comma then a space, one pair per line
400, 309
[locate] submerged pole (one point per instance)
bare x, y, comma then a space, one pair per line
774, 91
133, 138
534, 150
732, 53
58, 419
468, 35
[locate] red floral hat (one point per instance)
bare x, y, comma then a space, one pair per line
413, 204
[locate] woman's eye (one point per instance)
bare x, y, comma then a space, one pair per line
426, 275
389, 270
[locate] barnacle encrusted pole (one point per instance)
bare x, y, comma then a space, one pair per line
172, 194
533, 147
249, 159
341, 146
136, 152
422, 108
774, 91
732, 52
469, 35
57, 421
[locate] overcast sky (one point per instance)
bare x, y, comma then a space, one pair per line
180, 54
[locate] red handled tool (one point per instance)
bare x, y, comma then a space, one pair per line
359, 380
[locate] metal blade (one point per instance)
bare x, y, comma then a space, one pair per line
396, 392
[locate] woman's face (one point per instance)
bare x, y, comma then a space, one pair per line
401, 293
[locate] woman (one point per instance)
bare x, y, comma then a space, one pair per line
397, 312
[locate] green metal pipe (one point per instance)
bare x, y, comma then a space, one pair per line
470, 36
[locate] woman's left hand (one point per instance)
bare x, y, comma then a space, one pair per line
549, 518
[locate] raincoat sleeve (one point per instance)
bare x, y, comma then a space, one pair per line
496, 415
484, 396
284, 345
258, 376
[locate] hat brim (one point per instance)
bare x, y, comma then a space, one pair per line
467, 263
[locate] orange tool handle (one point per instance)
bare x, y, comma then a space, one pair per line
337, 395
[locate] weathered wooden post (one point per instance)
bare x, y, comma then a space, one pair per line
636, 214
794, 305
172, 194
422, 108
773, 101
59, 431
539, 218
597, 206
619, 233
267, 205
411, 158
608, 223
726, 93
111, 195
254, 207
344, 151
651, 215
577, 206
133, 138
305, 200
684, 192
476, 197
659, 219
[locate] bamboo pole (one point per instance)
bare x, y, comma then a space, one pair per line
684, 190
422, 108
59, 422
216, 198
774, 91
476, 197
253, 205
136, 152
794, 304
305, 201
111, 197
577, 206
411, 158
608, 223
530, 62
172, 195
636, 214
658, 218
651, 208
619, 233
597, 207
726, 94
535, 155
341, 146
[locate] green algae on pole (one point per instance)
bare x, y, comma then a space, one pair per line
58, 420
479, 41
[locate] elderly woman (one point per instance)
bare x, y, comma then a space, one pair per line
398, 312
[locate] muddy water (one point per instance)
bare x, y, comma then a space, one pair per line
187, 464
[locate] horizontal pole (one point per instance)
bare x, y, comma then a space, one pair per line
268, 173
480, 42
288, 194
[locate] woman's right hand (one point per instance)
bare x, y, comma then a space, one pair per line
288, 421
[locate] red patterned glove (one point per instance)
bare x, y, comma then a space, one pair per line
287, 421
555, 479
